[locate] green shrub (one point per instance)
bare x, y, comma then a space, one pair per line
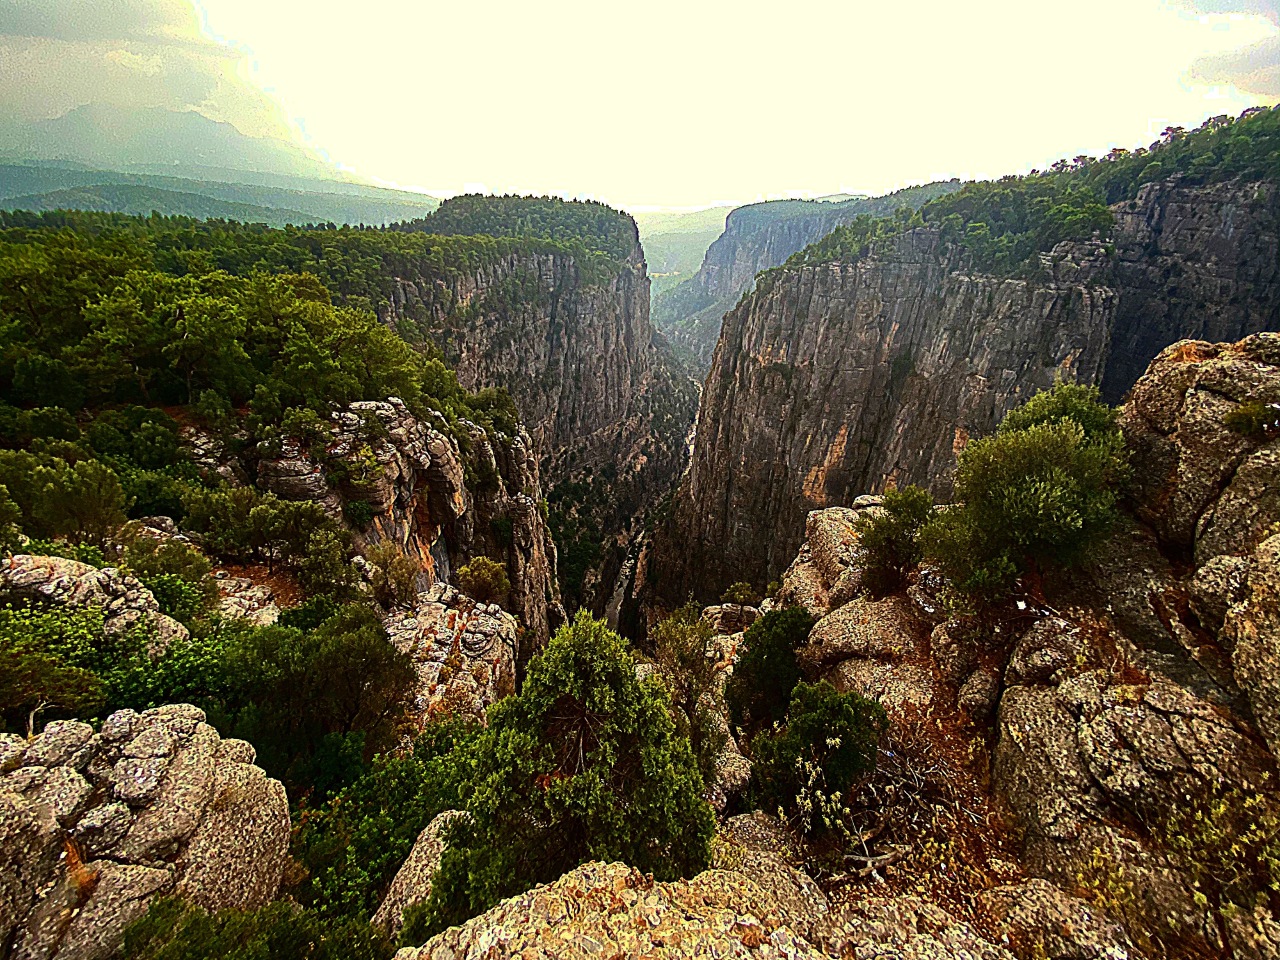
1255, 419
395, 576
1041, 492
828, 744
485, 581
172, 929
680, 649
888, 537
583, 764
741, 593
359, 513
79, 552
175, 572
766, 672
354, 844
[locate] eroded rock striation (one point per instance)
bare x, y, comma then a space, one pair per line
94, 826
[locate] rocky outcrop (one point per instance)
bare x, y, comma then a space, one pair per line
753, 903
94, 826
125, 603
464, 653
419, 490
1203, 486
757, 237
834, 380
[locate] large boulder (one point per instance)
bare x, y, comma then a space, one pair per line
124, 601
96, 825
1203, 486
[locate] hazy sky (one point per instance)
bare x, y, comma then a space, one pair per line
664, 103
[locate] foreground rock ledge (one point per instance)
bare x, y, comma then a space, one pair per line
94, 826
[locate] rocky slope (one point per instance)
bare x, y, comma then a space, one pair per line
1129, 723
755, 238
439, 504
837, 379
94, 826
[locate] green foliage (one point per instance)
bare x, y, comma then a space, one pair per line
1255, 419
597, 228
742, 593
888, 537
353, 844
681, 649
827, 746
485, 581
79, 552
584, 763
395, 576
172, 929
286, 691
1228, 843
79, 501
175, 572
61, 661
1041, 491
766, 673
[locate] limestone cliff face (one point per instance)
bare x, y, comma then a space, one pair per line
596, 385
440, 505
833, 380
757, 237
1199, 262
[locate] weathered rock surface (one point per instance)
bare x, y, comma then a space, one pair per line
1204, 487
1252, 628
464, 653
596, 385
96, 825
1192, 262
756, 237
1037, 921
124, 601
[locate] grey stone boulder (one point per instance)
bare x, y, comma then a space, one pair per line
412, 883
149, 806
125, 602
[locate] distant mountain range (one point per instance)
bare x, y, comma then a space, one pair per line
150, 160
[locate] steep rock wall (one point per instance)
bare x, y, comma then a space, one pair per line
833, 380
1192, 262
605, 405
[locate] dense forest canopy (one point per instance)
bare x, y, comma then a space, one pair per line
1003, 224
595, 227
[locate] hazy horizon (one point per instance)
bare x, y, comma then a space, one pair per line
671, 107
